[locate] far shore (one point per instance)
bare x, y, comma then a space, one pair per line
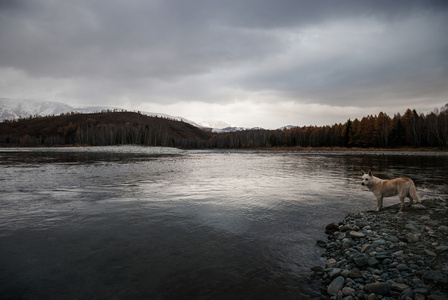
335, 149
298, 148
404, 149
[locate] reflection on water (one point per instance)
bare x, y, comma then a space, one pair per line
182, 224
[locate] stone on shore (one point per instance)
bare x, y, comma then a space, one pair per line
418, 207
348, 291
402, 267
399, 287
356, 234
345, 228
388, 255
436, 276
336, 285
318, 270
361, 260
330, 262
443, 229
355, 274
331, 227
379, 288
411, 238
321, 244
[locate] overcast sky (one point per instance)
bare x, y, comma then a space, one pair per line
263, 63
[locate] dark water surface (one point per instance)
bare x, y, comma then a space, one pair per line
139, 223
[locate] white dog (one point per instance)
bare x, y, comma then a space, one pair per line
403, 187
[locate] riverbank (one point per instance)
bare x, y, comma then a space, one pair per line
399, 149
388, 255
274, 149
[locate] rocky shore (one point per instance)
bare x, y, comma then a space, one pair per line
388, 255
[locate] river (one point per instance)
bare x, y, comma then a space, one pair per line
157, 223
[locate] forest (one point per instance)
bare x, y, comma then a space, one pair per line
380, 131
117, 128
100, 129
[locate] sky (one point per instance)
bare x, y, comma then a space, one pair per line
265, 63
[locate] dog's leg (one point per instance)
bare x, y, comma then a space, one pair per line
402, 203
411, 200
379, 203
414, 194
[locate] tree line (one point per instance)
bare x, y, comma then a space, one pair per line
114, 128
101, 129
380, 131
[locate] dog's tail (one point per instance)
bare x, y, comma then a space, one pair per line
413, 193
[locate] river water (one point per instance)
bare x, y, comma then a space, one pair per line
158, 223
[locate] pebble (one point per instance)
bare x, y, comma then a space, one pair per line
348, 291
365, 247
379, 288
330, 262
346, 228
321, 244
355, 274
385, 255
400, 287
356, 234
335, 272
332, 227
419, 207
430, 253
402, 267
361, 260
443, 229
412, 238
336, 285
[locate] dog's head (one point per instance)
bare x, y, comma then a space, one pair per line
366, 177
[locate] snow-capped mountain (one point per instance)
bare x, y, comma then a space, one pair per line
214, 124
234, 128
220, 126
11, 109
21, 108
287, 127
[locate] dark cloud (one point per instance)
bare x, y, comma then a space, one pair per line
114, 39
316, 51
348, 61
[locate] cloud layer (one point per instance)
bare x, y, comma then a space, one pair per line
249, 58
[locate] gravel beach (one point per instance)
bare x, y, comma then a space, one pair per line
387, 255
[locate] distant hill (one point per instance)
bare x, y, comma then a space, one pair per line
116, 128
107, 128
234, 129
13, 109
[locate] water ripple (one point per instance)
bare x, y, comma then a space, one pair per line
133, 223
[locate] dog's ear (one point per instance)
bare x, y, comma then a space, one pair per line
370, 173
363, 173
